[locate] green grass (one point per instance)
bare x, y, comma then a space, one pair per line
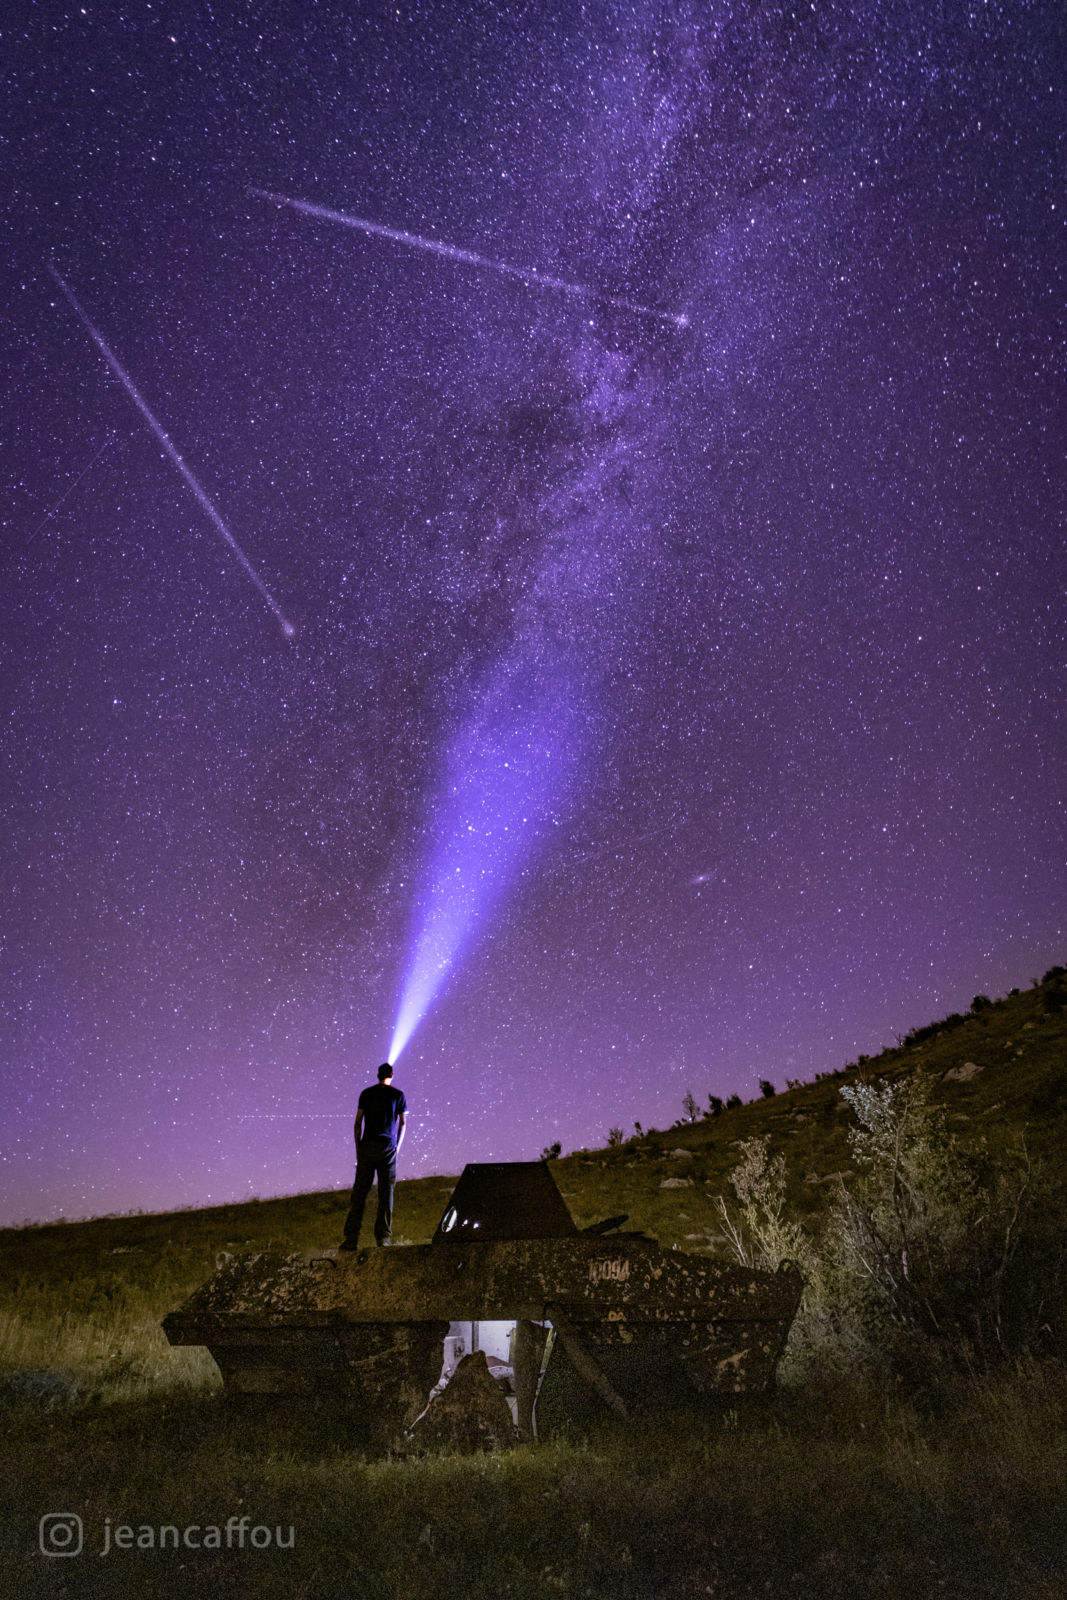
835, 1487
845, 1493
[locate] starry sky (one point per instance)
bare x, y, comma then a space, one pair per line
716, 656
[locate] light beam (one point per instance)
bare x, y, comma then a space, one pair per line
528, 275
202, 499
510, 770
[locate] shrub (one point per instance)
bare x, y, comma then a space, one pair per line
766, 1088
551, 1151
930, 1031
934, 1250
715, 1106
931, 1255
615, 1138
690, 1106
733, 1102
762, 1235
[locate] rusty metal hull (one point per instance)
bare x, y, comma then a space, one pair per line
369, 1326
383, 1369
628, 1279
648, 1365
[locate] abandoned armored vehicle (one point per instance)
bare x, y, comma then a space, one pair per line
572, 1322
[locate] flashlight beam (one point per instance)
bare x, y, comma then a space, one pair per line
200, 494
527, 275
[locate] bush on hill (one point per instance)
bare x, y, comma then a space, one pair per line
932, 1254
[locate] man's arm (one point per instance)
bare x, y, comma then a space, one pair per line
359, 1124
399, 1132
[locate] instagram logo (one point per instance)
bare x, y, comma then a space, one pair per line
60, 1533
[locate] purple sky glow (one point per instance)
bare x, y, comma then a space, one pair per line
659, 486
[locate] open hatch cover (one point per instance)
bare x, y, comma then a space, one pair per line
496, 1200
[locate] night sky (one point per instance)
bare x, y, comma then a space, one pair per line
684, 690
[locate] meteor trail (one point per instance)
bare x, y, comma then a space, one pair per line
438, 247
69, 490
205, 504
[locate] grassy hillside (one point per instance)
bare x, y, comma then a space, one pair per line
84, 1300
848, 1483
1000, 1074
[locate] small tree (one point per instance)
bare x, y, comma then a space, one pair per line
551, 1151
763, 1236
640, 1132
690, 1106
766, 1088
733, 1102
715, 1106
615, 1138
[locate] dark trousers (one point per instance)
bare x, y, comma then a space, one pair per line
373, 1161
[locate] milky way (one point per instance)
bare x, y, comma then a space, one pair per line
673, 708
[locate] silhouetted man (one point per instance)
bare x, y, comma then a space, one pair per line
379, 1135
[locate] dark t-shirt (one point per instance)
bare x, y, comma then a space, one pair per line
382, 1107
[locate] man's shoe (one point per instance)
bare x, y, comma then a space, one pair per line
344, 1245
381, 1243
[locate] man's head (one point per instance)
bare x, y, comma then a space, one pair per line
385, 1072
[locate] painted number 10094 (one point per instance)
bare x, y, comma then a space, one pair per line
614, 1270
